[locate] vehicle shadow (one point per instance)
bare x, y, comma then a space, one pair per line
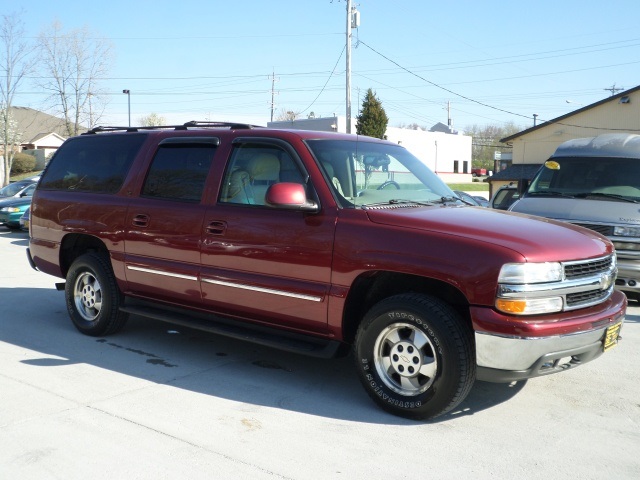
632, 318
21, 236
36, 319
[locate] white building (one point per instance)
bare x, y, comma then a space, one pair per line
447, 154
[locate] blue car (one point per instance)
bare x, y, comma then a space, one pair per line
13, 207
17, 189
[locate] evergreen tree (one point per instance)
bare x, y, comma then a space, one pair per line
372, 120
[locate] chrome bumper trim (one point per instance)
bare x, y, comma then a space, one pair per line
516, 354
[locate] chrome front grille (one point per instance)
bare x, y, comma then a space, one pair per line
586, 283
606, 230
582, 298
587, 268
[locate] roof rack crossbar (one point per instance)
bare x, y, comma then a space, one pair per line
185, 126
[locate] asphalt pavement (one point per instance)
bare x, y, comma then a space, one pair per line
161, 402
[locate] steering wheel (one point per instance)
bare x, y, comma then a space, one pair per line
387, 183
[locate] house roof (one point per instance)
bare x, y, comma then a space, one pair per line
42, 136
517, 172
570, 114
34, 123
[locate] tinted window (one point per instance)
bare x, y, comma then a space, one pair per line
179, 172
578, 176
96, 163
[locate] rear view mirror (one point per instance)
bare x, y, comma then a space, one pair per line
376, 162
290, 196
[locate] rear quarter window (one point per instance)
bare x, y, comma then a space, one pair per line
92, 163
178, 172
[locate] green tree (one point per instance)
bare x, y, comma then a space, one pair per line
372, 120
486, 141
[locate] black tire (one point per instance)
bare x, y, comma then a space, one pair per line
92, 295
415, 356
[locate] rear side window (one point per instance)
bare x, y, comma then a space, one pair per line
178, 172
96, 163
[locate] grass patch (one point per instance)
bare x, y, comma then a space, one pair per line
21, 176
469, 187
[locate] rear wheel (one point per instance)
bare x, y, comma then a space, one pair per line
92, 295
415, 357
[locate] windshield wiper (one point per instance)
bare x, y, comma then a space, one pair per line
395, 201
398, 201
453, 199
606, 195
549, 193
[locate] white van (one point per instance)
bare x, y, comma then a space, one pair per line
595, 183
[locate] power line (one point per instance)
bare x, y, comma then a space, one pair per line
487, 105
326, 83
440, 86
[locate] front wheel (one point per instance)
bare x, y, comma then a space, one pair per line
93, 297
414, 356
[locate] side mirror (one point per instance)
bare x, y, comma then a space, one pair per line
291, 196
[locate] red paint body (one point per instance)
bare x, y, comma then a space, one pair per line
313, 257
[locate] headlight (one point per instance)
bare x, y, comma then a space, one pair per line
524, 273
626, 245
626, 231
10, 209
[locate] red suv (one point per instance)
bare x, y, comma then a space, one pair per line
314, 242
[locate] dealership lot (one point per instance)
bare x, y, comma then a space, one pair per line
156, 401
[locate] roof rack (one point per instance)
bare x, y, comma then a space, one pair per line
231, 125
185, 126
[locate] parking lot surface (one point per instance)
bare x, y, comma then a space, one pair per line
160, 402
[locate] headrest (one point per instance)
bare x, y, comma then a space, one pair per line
264, 166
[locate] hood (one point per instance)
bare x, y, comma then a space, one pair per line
14, 201
580, 210
536, 239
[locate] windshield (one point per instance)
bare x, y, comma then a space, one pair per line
584, 177
369, 173
12, 189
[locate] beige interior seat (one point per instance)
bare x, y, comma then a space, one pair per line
264, 170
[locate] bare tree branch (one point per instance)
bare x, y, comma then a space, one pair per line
74, 64
15, 63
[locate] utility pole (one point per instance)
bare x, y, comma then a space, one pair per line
613, 89
348, 99
449, 113
353, 21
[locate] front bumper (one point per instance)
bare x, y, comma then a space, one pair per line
503, 357
12, 219
628, 279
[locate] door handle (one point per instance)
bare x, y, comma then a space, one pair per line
141, 220
216, 227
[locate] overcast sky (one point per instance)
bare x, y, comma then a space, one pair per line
494, 61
